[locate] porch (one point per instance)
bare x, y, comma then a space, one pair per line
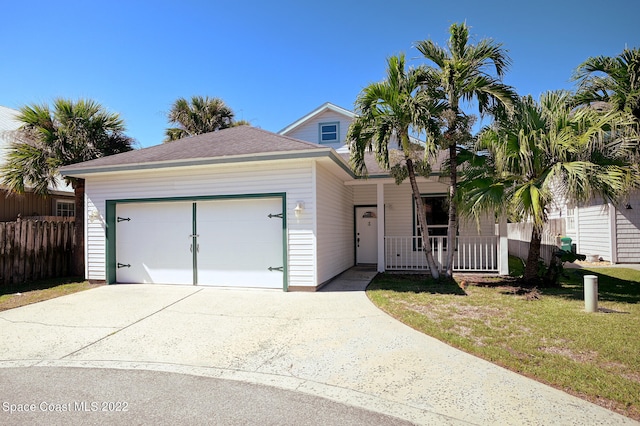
472, 253
393, 238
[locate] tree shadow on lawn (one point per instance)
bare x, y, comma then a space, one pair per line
415, 283
610, 289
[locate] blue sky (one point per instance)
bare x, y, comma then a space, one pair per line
272, 62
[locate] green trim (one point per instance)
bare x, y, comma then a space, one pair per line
285, 257
320, 133
110, 255
355, 228
110, 232
194, 241
340, 162
320, 152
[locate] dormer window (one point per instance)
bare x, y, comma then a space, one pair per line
329, 132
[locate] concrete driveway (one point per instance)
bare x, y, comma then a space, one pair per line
333, 344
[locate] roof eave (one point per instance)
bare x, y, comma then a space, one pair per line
244, 158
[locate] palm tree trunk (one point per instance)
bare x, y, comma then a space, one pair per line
452, 226
422, 220
531, 268
78, 250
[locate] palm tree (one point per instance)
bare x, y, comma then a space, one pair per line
545, 151
48, 139
390, 110
463, 72
615, 80
197, 116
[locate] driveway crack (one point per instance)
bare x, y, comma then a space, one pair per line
132, 324
52, 325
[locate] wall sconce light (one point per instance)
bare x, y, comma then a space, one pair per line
299, 209
94, 215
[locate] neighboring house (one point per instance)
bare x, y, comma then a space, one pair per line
247, 207
603, 230
60, 203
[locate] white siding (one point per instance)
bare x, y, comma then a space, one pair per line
94, 241
628, 230
399, 206
335, 225
309, 131
594, 230
364, 195
398, 200
292, 177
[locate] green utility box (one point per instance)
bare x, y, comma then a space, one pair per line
565, 243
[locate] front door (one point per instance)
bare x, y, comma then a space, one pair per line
366, 235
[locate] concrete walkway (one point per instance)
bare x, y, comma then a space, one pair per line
333, 344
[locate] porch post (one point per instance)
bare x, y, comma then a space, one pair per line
503, 246
380, 209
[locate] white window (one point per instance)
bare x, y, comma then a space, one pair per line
570, 219
329, 132
65, 208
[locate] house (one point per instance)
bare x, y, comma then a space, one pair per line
60, 203
599, 230
247, 207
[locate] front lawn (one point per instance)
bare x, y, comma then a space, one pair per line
42, 290
544, 334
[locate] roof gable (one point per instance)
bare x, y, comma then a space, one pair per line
327, 106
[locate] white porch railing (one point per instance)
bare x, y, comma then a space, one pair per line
472, 253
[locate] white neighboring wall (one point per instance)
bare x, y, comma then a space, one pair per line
594, 230
628, 230
295, 178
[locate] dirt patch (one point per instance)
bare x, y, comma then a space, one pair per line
484, 280
581, 357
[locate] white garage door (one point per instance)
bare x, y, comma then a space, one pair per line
230, 242
152, 243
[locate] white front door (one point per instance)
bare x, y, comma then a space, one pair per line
366, 235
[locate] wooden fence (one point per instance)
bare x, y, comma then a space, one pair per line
35, 249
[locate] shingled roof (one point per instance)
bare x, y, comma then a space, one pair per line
234, 142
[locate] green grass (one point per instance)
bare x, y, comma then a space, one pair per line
551, 338
38, 291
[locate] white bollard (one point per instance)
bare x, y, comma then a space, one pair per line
590, 293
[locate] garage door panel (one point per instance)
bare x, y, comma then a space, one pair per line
239, 243
155, 242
